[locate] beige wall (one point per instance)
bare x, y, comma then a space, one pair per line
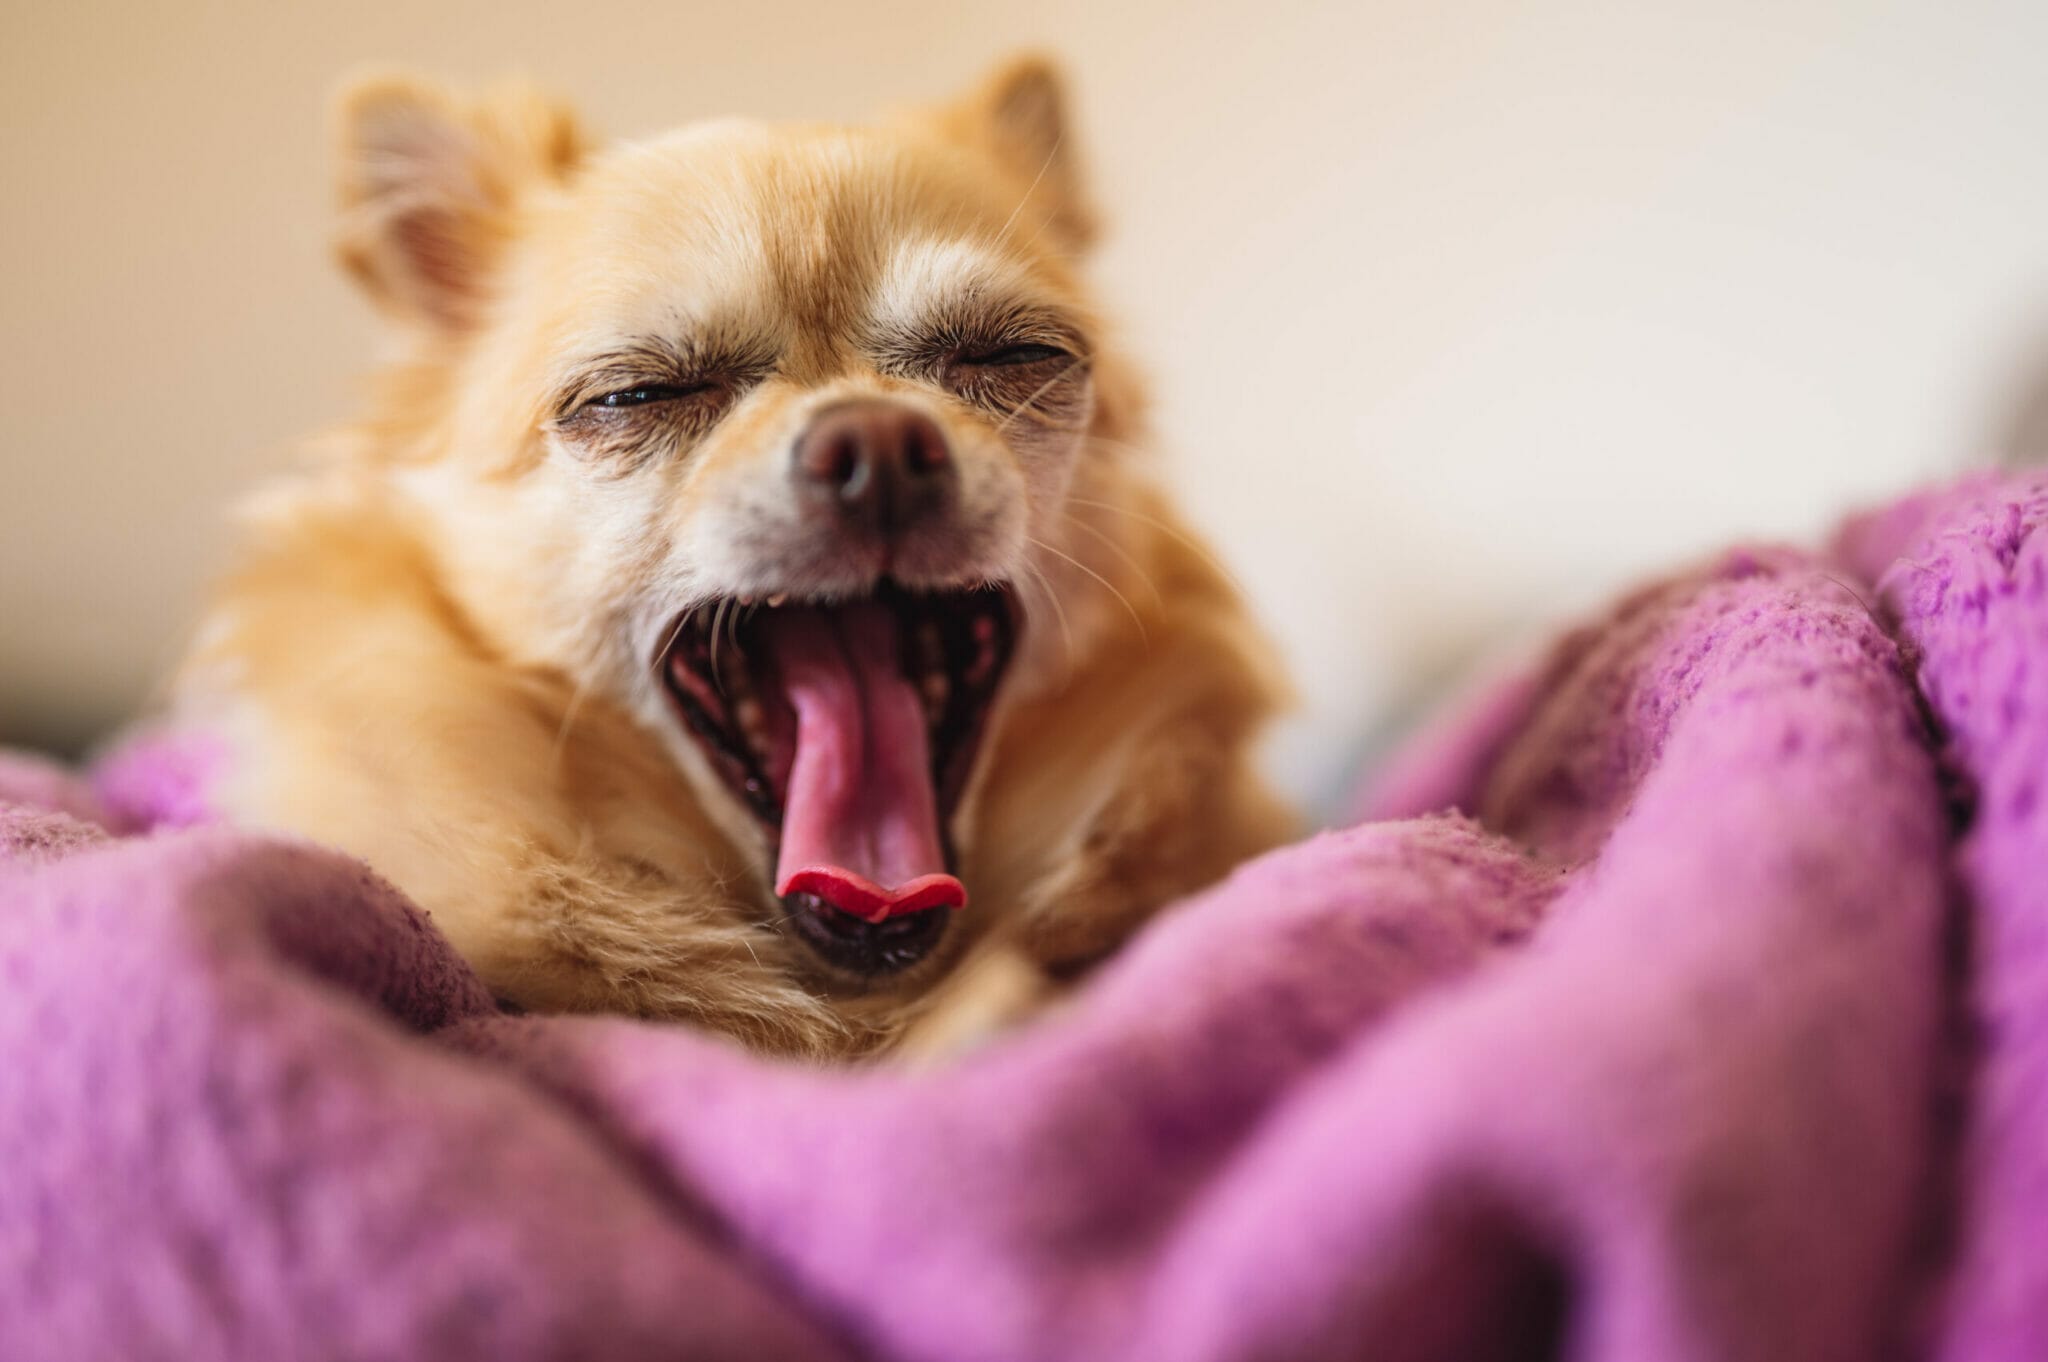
1461, 312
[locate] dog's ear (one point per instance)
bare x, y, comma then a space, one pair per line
429, 183
1018, 117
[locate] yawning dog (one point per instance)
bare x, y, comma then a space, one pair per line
747, 595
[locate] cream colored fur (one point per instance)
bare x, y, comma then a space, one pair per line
434, 651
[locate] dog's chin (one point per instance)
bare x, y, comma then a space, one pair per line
847, 727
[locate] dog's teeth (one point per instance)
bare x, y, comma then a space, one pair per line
982, 664
936, 688
778, 600
751, 719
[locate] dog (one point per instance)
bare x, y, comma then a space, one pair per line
748, 595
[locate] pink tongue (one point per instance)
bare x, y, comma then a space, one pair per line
860, 826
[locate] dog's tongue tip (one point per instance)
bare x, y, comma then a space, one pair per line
854, 893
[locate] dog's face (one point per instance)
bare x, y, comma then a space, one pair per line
755, 432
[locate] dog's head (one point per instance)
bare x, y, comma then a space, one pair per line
755, 431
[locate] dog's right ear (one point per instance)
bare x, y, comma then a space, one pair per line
1018, 118
428, 186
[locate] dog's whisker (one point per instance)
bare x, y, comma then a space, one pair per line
674, 633
576, 699
995, 433
1107, 585
1108, 541
1192, 544
1039, 392
1011, 221
1059, 611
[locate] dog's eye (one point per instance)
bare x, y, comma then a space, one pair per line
1012, 356
649, 393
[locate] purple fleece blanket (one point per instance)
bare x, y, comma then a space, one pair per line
1716, 1026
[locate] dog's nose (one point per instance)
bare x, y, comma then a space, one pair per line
880, 465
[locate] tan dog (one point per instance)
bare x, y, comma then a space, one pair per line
746, 597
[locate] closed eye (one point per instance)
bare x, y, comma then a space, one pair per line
649, 393
1011, 356
621, 427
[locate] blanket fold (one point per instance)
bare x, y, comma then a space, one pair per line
1630, 1027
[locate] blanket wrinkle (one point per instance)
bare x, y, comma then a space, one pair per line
1625, 1029
1965, 574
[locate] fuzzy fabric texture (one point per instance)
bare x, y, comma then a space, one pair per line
1713, 1024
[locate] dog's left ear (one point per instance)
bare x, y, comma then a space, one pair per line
430, 182
1018, 118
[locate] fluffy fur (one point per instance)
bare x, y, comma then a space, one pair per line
434, 650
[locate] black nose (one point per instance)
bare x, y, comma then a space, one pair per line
881, 466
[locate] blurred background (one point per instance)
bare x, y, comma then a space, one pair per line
1461, 314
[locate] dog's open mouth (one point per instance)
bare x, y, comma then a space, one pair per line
850, 730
